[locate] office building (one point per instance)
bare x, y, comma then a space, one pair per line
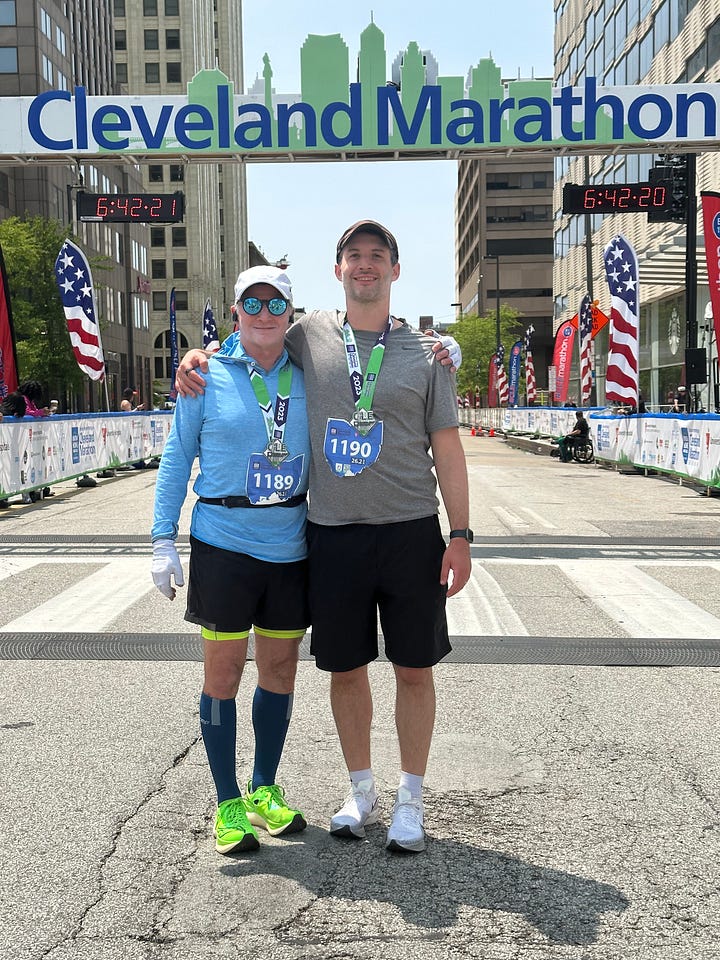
60, 44
635, 42
503, 229
159, 46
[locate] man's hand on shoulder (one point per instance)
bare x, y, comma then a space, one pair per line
188, 381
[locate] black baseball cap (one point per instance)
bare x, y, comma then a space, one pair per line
368, 226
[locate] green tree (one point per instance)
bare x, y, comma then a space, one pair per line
30, 247
476, 336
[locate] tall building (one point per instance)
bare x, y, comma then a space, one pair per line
635, 42
503, 232
159, 46
60, 44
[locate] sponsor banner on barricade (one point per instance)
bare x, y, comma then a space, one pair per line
683, 445
686, 446
40, 452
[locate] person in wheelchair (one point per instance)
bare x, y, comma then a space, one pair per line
577, 435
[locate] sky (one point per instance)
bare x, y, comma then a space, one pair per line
300, 210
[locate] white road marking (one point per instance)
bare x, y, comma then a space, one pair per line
91, 603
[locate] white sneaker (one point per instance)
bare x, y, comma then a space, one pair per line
406, 831
361, 808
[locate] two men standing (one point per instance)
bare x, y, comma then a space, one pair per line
382, 415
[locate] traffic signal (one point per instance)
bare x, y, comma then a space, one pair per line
672, 172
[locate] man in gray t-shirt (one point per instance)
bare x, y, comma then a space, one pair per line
383, 425
381, 413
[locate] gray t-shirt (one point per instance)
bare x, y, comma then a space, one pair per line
414, 397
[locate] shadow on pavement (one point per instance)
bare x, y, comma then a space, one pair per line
429, 890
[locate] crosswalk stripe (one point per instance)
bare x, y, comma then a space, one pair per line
509, 518
91, 603
538, 519
482, 609
12, 566
643, 606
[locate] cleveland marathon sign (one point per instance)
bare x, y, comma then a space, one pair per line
418, 112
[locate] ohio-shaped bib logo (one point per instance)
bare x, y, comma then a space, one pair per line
267, 483
348, 451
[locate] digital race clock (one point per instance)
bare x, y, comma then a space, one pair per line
616, 197
131, 207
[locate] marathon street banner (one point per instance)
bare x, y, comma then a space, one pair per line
8, 358
493, 382
562, 360
514, 384
711, 228
421, 108
37, 452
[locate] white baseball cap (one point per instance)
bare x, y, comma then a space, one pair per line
264, 274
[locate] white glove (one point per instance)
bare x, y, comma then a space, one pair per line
166, 564
453, 347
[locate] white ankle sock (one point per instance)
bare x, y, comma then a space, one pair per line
412, 783
364, 777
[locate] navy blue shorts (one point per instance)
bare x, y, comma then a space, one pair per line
360, 570
231, 592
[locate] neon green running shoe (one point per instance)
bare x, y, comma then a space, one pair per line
266, 808
232, 827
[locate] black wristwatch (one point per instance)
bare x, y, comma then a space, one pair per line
465, 534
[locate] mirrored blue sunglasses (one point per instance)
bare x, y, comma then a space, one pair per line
253, 305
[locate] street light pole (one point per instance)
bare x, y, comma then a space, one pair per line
496, 258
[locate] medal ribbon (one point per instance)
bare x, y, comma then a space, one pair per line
363, 388
274, 424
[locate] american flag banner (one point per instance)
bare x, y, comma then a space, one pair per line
502, 380
530, 383
211, 341
585, 344
74, 280
621, 267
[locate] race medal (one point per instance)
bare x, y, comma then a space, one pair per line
363, 421
348, 450
268, 482
276, 452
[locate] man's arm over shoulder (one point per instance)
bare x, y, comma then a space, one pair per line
451, 470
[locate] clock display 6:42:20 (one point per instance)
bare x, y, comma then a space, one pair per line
617, 197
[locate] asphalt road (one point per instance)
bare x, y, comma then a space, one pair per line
573, 794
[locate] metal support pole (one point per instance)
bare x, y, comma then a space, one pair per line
691, 324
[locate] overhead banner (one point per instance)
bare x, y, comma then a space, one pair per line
418, 109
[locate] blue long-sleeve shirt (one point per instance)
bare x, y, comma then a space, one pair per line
223, 427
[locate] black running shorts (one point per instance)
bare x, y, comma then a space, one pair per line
230, 592
360, 569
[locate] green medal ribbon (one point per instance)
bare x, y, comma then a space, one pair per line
275, 422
